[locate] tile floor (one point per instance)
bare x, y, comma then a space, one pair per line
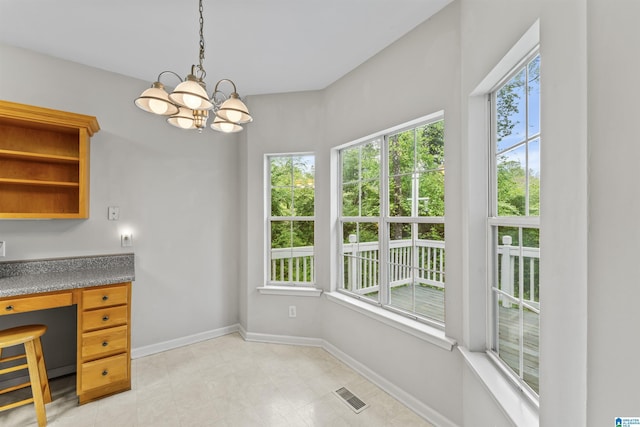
227, 382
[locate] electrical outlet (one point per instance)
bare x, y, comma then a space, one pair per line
292, 311
3, 246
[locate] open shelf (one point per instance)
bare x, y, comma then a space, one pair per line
10, 154
44, 162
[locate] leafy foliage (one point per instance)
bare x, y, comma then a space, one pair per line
518, 183
416, 174
416, 180
292, 196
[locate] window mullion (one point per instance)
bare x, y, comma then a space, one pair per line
360, 181
526, 133
383, 224
520, 300
414, 263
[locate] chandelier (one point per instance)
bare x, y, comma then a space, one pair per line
188, 106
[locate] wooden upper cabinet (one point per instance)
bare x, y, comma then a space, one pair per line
44, 162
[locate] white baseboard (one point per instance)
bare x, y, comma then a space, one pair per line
405, 398
425, 411
182, 341
280, 339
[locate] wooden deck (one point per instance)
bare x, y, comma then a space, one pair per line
429, 302
509, 344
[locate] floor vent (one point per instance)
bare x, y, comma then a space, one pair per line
351, 400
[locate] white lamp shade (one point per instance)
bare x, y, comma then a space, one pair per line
192, 95
225, 126
233, 110
183, 119
156, 100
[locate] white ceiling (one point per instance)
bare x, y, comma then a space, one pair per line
265, 46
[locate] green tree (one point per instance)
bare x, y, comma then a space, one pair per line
416, 173
292, 195
516, 181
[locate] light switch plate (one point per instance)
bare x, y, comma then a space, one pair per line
114, 213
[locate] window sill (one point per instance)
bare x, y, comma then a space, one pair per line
290, 291
419, 330
513, 402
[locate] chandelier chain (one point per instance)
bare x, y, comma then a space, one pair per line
201, 57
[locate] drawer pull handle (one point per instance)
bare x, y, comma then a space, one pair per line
105, 343
105, 318
105, 373
9, 308
105, 297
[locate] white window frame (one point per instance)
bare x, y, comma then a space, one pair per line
383, 220
286, 287
493, 222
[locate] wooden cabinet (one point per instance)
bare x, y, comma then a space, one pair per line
104, 341
44, 162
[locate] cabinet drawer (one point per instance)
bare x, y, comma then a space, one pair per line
105, 297
103, 372
104, 342
31, 303
105, 317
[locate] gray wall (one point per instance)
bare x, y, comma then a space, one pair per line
177, 191
614, 209
288, 123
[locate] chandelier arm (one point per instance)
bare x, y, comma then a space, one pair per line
225, 80
218, 97
169, 72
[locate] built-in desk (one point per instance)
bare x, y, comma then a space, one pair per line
100, 286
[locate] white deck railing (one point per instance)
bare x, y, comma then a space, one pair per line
509, 258
292, 265
362, 263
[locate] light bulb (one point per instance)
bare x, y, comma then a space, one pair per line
191, 101
184, 123
158, 107
234, 116
226, 127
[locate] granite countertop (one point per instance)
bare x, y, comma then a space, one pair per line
58, 274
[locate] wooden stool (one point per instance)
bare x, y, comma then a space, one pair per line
29, 336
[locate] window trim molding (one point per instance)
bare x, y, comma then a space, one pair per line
519, 407
299, 291
402, 323
476, 291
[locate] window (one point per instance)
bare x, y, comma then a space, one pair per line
514, 223
391, 220
291, 220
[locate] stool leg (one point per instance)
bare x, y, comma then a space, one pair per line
44, 380
36, 385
